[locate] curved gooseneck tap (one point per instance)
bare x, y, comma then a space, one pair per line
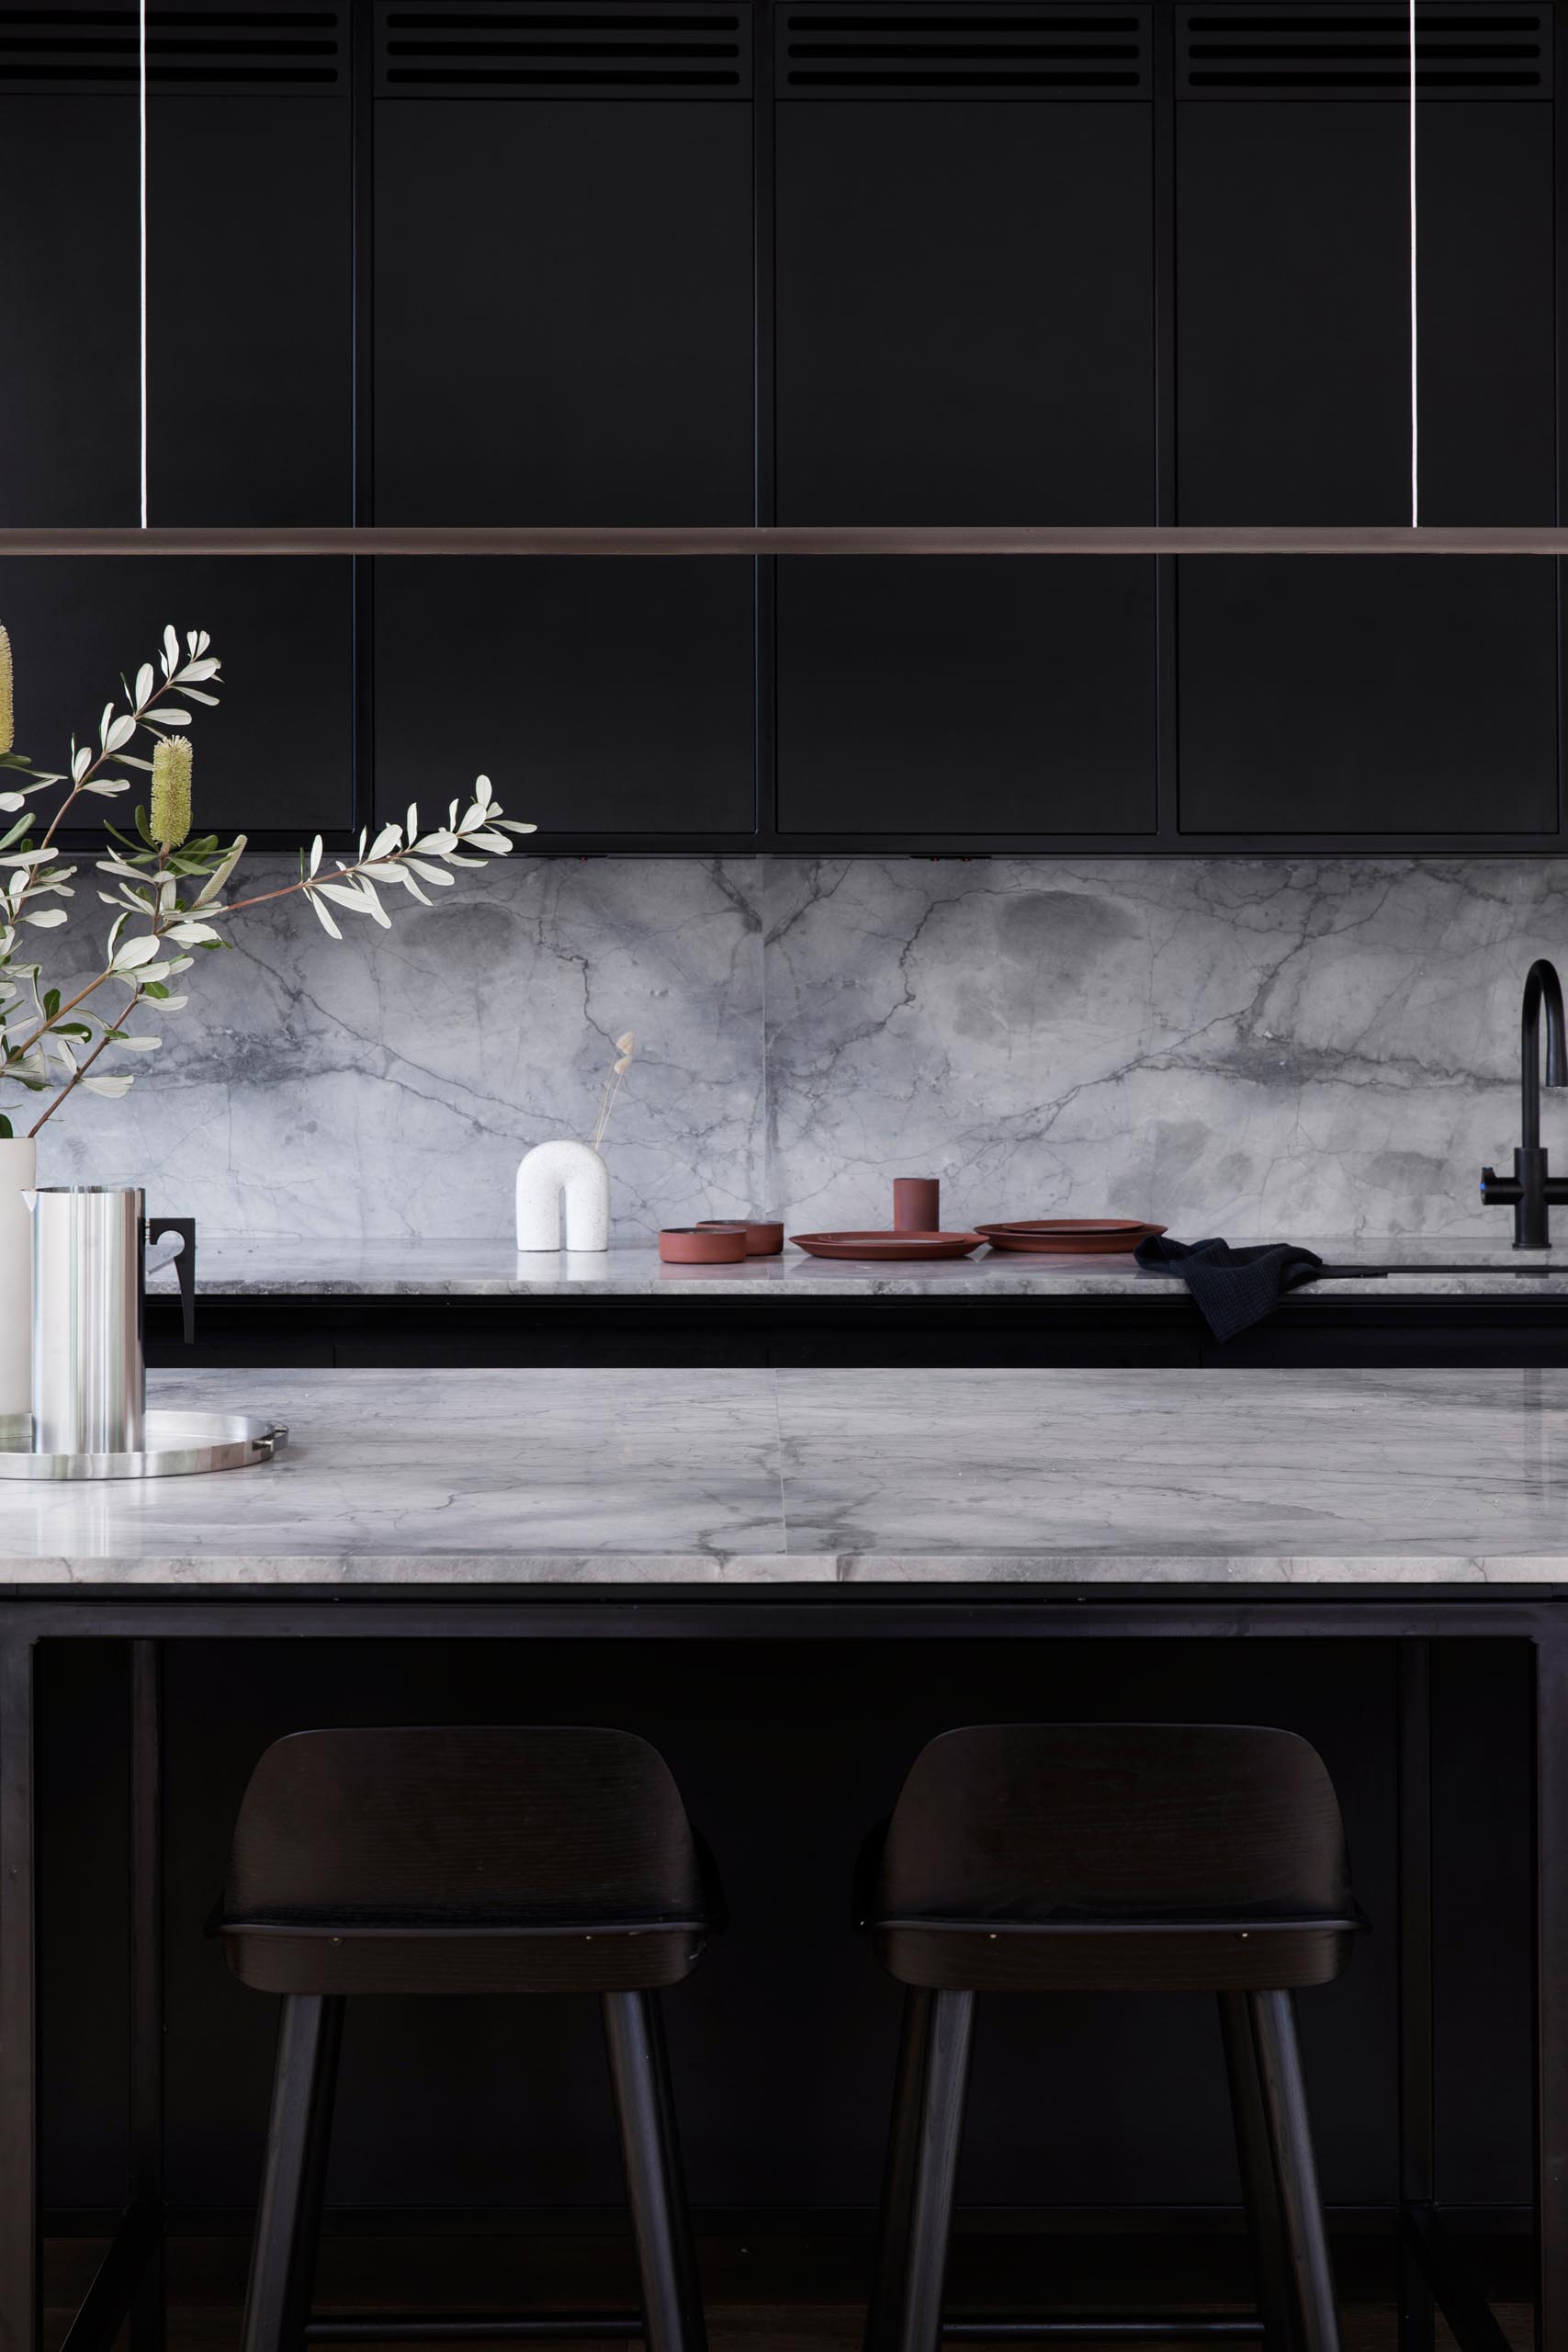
1532, 1192
1542, 987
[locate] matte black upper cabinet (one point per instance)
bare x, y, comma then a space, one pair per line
1353, 698
965, 334
564, 333
250, 410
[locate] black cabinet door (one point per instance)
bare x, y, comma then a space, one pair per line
250, 381
965, 334
1354, 697
563, 334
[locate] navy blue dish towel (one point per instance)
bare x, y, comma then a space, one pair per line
1231, 1289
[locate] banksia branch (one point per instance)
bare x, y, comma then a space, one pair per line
170, 819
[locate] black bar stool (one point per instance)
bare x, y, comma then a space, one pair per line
1026, 1858
483, 1860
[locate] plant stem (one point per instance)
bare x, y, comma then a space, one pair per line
77, 1075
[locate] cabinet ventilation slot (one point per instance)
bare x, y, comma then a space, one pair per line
966, 52
60, 49
1499, 52
692, 52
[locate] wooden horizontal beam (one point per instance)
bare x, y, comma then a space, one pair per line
798, 540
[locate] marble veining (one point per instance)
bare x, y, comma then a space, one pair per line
1256, 1048
815, 1478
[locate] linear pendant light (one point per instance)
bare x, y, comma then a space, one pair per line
741, 540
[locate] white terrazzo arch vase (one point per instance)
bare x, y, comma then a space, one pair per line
555, 1172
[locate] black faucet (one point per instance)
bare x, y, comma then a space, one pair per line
1531, 1192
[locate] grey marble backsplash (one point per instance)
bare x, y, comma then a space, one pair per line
1252, 1048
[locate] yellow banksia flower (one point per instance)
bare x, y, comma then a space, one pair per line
170, 819
7, 706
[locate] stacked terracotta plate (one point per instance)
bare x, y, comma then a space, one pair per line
1070, 1237
887, 1248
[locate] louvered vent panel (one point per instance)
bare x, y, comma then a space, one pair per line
65, 48
968, 51
639, 48
1494, 51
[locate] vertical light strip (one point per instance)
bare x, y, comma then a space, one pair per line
1415, 372
141, 79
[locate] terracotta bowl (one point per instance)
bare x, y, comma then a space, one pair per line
702, 1245
762, 1239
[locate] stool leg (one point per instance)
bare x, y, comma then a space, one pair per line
639, 2072
899, 2171
931, 2087
283, 2260
1283, 2092
1259, 2194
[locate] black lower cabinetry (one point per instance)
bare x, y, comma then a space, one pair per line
400, 1333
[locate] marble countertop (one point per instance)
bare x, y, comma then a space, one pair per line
418, 1269
815, 1477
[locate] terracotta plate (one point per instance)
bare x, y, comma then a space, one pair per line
887, 1245
1070, 1237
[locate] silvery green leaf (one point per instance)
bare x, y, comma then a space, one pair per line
207, 669
437, 844
515, 825
428, 873
114, 1087
316, 854
144, 683
372, 905
411, 824
169, 1004
453, 859
194, 694
342, 894
51, 920
11, 800
127, 761
121, 731
113, 865
497, 843
135, 953
406, 878
389, 837
221, 873
452, 816
165, 716
322, 915
104, 722
111, 791
115, 928
137, 1044
60, 1048
191, 935
483, 791
80, 763
171, 652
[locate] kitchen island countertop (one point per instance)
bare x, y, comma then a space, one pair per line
458, 1269
671, 1478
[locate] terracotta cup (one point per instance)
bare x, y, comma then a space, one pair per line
695, 1245
917, 1204
763, 1237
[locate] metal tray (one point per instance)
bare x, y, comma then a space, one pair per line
177, 1444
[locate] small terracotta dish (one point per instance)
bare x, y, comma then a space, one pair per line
1070, 1237
885, 1247
702, 1245
763, 1239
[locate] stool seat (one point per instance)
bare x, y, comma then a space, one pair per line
1115, 1857
479, 1860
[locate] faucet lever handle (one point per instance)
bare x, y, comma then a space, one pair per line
1500, 1191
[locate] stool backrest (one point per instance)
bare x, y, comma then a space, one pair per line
1042, 1820
470, 1824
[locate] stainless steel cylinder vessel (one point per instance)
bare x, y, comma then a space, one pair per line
89, 1372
